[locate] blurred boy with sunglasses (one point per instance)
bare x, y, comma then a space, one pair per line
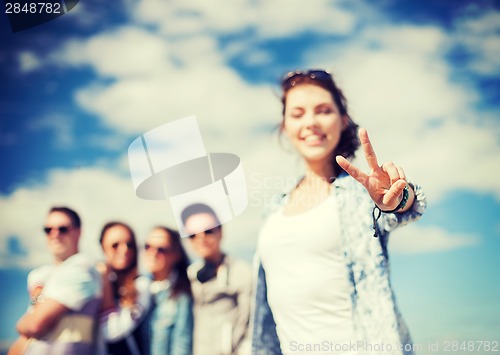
65, 296
221, 287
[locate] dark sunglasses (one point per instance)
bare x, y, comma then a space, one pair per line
209, 232
160, 250
290, 79
130, 245
62, 229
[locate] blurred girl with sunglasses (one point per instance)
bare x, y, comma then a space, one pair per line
126, 297
168, 327
323, 280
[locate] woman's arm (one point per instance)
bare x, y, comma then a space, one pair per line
118, 322
108, 302
182, 337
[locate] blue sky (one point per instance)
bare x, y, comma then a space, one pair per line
422, 76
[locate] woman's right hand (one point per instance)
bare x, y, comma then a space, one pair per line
102, 268
108, 301
385, 183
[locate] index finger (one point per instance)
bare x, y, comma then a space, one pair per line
370, 155
352, 170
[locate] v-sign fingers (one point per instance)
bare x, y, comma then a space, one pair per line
352, 170
370, 155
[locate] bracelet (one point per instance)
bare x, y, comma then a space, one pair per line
376, 212
38, 299
403, 202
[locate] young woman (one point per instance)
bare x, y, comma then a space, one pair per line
168, 328
126, 297
323, 282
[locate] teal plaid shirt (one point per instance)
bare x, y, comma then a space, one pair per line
376, 316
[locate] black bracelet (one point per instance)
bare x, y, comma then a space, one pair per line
376, 212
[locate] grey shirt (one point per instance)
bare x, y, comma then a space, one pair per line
221, 307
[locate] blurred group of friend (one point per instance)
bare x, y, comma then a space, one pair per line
174, 307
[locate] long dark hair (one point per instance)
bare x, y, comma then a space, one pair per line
182, 284
124, 286
349, 142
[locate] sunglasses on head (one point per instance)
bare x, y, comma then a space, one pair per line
208, 232
61, 229
160, 250
290, 79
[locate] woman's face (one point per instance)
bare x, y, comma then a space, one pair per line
118, 248
312, 122
160, 256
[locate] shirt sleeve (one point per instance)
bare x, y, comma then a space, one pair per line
120, 322
38, 276
73, 285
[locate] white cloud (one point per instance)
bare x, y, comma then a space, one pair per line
160, 80
28, 61
456, 156
285, 18
216, 95
397, 77
479, 34
414, 239
127, 52
276, 19
426, 41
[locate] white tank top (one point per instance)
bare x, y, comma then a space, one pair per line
307, 286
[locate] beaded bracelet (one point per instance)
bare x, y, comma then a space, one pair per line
402, 204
